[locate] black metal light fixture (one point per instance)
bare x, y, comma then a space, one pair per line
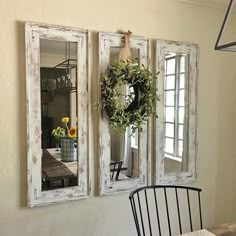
231, 47
67, 81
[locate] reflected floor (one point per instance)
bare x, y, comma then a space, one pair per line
172, 166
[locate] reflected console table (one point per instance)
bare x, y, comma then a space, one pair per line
56, 172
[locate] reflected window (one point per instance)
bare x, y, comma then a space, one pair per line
174, 104
176, 138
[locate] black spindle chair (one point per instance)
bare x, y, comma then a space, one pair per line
154, 208
115, 167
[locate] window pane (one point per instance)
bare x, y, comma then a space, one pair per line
170, 82
134, 139
181, 115
181, 98
170, 98
169, 145
181, 130
181, 80
169, 114
182, 63
180, 148
170, 66
169, 130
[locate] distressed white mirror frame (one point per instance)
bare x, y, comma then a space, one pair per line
192, 50
106, 186
33, 33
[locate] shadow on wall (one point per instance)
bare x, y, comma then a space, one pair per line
21, 101
226, 166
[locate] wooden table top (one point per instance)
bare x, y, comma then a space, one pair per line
54, 168
228, 229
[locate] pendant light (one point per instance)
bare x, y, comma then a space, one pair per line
231, 47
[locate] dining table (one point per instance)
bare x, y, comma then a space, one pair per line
227, 229
54, 169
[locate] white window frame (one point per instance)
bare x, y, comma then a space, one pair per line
175, 155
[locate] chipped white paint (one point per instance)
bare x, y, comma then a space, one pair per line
33, 33
192, 51
106, 186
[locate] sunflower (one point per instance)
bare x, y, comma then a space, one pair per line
72, 132
65, 120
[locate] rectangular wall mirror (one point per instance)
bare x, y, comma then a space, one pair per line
57, 113
176, 138
123, 157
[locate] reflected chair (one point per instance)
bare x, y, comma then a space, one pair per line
166, 210
115, 168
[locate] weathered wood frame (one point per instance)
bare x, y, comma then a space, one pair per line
33, 33
192, 51
106, 186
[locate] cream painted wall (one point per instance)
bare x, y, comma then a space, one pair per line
111, 216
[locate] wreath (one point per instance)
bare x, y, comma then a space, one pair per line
128, 95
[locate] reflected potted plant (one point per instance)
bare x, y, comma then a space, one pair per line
58, 133
67, 138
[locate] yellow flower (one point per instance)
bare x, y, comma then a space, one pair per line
65, 120
53, 131
72, 132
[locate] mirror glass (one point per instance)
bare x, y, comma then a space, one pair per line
175, 112
58, 80
124, 163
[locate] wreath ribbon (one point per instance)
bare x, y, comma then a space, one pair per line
125, 52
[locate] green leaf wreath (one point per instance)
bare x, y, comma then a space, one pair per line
138, 105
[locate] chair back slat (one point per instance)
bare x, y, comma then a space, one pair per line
157, 211
133, 206
113, 170
177, 203
141, 215
150, 214
200, 210
189, 210
167, 212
